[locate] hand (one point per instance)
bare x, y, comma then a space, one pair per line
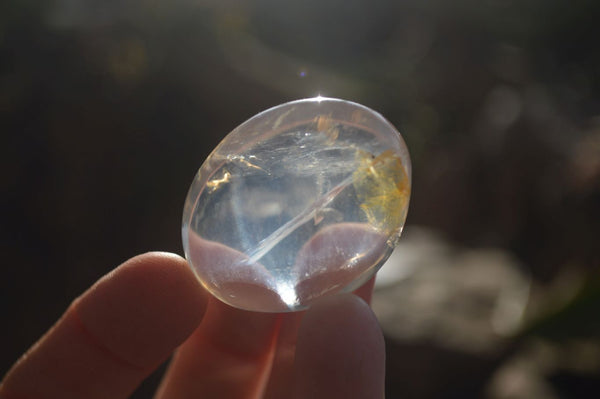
132, 319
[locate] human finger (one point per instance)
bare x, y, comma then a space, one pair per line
227, 357
114, 335
282, 372
340, 351
334, 257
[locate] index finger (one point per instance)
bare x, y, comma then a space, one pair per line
114, 335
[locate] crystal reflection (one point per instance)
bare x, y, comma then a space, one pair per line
339, 258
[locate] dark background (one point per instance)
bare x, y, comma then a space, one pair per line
108, 108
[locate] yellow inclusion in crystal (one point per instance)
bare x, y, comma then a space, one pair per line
383, 188
214, 184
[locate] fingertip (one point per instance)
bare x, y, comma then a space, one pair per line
232, 350
144, 308
115, 334
340, 351
346, 315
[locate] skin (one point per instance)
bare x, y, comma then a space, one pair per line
152, 306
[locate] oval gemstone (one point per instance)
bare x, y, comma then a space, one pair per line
303, 200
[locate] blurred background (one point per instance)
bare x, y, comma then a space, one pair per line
108, 108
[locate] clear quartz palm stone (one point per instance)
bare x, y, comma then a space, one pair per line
303, 200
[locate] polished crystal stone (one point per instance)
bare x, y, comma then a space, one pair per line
303, 200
